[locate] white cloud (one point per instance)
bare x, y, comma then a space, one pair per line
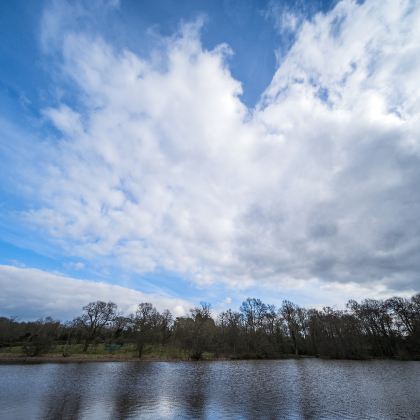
34, 293
162, 165
317, 293
285, 17
65, 119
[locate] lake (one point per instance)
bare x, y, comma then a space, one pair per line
292, 389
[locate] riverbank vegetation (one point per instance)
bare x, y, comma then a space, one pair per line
368, 329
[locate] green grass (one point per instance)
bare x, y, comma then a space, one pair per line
100, 350
15, 350
128, 350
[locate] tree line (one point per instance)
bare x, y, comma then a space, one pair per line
371, 328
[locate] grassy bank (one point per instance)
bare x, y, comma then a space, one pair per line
98, 353
127, 352
102, 353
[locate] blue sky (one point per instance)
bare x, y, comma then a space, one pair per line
207, 151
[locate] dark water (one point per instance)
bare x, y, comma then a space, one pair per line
295, 389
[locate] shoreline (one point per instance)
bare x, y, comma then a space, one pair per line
21, 359
59, 359
80, 358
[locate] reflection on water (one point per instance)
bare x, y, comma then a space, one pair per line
295, 389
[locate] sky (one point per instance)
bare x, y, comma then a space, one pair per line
190, 151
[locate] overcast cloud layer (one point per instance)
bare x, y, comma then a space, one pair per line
159, 165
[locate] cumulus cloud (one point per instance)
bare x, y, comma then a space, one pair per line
34, 293
160, 164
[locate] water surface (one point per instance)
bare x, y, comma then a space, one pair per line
295, 389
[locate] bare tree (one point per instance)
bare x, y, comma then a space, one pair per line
290, 313
146, 322
196, 332
96, 316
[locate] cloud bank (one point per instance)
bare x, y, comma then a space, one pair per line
33, 293
159, 165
